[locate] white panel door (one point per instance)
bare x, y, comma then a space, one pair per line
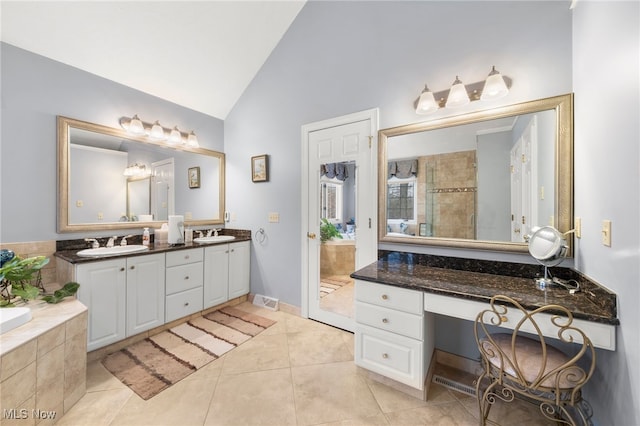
353, 146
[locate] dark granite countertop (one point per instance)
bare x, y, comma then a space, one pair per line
481, 280
67, 249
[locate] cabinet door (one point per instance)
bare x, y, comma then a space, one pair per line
103, 291
239, 269
145, 292
216, 275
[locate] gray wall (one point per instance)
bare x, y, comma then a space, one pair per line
606, 37
494, 186
34, 91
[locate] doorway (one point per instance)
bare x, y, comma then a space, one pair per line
339, 213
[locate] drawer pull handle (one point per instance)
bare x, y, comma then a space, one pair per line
385, 321
385, 356
121, 269
385, 297
187, 277
132, 267
186, 303
186, 257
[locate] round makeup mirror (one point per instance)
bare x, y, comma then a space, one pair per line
549, 247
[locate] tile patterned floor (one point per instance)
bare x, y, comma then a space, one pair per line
297, 372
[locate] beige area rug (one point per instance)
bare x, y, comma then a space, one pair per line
155, 363
330, 284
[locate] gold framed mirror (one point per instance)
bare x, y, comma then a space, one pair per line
480, 180
100, 168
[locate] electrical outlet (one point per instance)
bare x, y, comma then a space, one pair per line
100, 216
274, 217
188, 215
578, 227
606, 233
79, 203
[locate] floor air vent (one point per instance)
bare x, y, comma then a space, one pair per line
453, 385
266, 302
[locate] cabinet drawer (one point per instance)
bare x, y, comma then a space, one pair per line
183, 304
391, 297
397, 357
409, 325
184, 277
182, 257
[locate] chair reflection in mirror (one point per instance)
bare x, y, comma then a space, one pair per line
528, 367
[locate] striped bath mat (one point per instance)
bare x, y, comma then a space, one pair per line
155, 363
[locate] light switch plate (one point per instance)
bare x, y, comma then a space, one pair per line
578, 227
606, 233
274, 217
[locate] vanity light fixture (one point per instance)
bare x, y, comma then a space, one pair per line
156, 132
135, 170
494, 87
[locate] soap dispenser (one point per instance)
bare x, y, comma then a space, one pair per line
145, 237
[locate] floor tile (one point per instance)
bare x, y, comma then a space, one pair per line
318, 347
256, 398
445, 414
331, 392
267, 352
97, 408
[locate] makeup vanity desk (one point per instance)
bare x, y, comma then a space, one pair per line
397, 296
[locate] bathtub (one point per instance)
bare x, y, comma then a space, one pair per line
337, 257
11, 318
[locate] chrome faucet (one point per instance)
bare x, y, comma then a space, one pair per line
123, 241
215, 232
199, 234
110, 241
93, 241
209, 232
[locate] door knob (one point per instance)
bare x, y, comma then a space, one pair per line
311, 235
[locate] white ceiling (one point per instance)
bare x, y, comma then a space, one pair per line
198, 54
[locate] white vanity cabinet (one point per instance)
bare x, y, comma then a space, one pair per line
103, 290
184, 283
226, 272
393, 336
122, 295
145, 293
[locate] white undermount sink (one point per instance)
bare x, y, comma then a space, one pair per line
111, 251
214, 239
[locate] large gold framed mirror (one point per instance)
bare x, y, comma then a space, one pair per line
109, 179
481, 180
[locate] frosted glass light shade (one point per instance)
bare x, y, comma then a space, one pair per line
426, 103
135, 126
175, 137
157, 132
458, 95
192, 140
494, 86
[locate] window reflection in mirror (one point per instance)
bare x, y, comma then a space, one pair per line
479, 180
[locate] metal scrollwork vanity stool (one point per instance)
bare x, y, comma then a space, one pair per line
529, 368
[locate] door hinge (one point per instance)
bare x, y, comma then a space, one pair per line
369, 223
370, 139
523, 221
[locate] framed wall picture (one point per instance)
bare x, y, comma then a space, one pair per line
260, 168
194, 177
423, 230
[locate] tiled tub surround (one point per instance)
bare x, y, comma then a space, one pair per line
43, 364
479, 280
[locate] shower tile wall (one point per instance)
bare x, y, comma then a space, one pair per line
447, 194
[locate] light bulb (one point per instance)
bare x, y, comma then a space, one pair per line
426, 103
192, 140
175, 137
157, 132
458, 95
135, 126
494, 86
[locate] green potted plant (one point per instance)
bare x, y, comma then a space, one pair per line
16, 282
328, 231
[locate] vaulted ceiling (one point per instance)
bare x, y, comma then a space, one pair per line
199, 54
